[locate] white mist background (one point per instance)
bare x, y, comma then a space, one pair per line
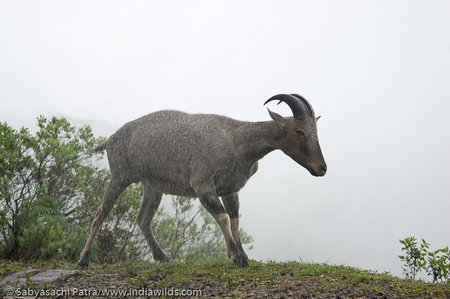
377, 71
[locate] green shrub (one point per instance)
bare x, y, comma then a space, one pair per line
418, 258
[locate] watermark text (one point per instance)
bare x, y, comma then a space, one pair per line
94, 292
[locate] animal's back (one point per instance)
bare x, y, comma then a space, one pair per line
164, 146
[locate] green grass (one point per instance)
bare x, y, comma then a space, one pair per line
261, 279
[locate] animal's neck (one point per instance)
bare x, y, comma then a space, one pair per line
257, 139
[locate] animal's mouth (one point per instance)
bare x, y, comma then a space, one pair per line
318, 170
316, 174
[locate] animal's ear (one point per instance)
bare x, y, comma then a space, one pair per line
317, 118
277, 118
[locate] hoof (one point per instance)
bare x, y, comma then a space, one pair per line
160, 257
83, 263
241, 260
245, 255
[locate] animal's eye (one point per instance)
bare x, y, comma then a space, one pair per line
300, 133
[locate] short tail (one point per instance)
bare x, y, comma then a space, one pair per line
100, 147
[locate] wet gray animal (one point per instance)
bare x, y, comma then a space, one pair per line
205, 156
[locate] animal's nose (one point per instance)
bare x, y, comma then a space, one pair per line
318, 169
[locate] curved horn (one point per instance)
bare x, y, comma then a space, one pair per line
307, 104
298, 109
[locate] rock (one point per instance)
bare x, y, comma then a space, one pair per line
16, 277
51, 275
19, 279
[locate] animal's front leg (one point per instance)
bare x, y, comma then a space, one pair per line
212, 204
231, 203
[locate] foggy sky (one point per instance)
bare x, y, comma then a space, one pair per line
377, 71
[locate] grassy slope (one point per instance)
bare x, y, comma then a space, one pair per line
260, 280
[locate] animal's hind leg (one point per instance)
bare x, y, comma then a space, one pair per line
231, 203
115, 188
149, 206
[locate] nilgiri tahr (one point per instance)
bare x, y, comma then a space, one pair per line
202, 155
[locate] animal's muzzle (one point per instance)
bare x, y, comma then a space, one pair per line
318, 170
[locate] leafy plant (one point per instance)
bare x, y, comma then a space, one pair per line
418, 257
438, 265
43, 183
414, 259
